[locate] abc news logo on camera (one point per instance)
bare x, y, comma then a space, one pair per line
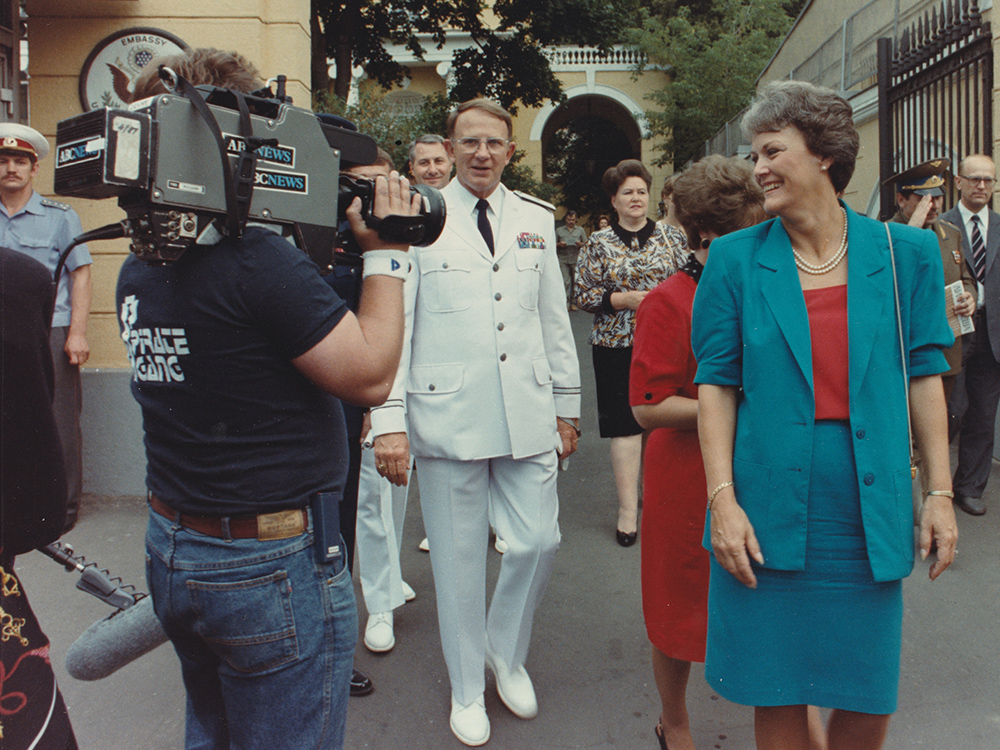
278, 154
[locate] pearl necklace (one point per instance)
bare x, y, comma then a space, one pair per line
819, 270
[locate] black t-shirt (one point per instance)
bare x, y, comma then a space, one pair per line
32, 477
231, 426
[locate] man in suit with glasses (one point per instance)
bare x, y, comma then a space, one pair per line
981, 361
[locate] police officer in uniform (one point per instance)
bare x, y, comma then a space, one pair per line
919, 195
42, 228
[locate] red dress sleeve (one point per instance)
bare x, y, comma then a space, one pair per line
662, 361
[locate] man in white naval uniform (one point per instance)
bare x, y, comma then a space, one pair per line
493, 400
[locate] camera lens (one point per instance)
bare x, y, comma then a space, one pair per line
420, 230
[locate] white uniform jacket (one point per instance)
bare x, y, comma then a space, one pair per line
492, 355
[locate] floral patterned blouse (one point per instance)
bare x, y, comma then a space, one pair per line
673, 232
617, 260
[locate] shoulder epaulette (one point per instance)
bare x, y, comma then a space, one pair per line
55, 204
948, 224
532, 199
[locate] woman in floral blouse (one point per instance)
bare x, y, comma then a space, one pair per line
616, 269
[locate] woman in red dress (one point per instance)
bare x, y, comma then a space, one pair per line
714, 197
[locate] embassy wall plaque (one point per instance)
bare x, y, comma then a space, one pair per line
111, 68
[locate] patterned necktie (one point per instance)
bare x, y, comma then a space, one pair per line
484, 223
978, 250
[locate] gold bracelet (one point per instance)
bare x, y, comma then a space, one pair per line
941, 493
716, 491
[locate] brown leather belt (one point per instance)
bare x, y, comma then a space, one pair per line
282, 524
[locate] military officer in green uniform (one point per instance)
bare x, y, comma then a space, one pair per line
919, 196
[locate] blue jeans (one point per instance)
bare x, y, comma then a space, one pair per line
265, 634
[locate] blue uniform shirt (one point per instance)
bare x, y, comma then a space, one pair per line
42, 230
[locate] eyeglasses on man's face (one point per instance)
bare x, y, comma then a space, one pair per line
976, 181
471, 145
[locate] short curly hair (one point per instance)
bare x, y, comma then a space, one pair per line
717, 195
201, 66
824, 118
616, 175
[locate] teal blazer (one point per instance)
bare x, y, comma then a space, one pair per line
750, 329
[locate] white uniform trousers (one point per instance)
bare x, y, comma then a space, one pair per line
453, 496
381, 513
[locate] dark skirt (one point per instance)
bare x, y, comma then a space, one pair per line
33, 712
611, 371
828, 635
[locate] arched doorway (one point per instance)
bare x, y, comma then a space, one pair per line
580, 140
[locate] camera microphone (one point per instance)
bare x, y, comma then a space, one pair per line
111, 643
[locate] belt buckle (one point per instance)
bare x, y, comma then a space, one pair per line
282, 524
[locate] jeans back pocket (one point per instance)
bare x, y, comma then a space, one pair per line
250, 623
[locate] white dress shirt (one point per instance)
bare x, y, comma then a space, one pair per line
984, 227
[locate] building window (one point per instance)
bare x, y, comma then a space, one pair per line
10, 44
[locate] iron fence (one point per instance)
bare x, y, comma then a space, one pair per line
935, 92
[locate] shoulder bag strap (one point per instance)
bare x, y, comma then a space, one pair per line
902, 351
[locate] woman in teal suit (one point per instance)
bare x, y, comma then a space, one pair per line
803, 427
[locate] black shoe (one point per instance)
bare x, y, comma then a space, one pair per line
626, 539
658, 731
361, 683
974, 506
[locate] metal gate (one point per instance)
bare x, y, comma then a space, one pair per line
935, 89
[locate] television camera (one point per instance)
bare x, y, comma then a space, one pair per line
197, 164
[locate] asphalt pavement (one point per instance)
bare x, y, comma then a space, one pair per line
589, 659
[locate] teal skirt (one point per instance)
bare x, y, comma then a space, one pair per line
828, 635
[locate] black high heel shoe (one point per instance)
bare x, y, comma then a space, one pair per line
626, 539
658, 731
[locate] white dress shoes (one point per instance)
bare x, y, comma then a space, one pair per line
514, 686
424, 545
408, 593
501, 546
378, 632
470, 723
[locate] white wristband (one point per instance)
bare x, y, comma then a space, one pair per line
393, 263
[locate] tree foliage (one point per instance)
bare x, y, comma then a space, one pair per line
393, 132
504, 62
518, 176
715, 54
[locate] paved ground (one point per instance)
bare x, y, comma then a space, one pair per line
590, 657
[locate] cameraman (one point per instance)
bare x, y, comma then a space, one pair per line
237, 352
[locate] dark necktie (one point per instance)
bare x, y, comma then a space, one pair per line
484, 223
978, 250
